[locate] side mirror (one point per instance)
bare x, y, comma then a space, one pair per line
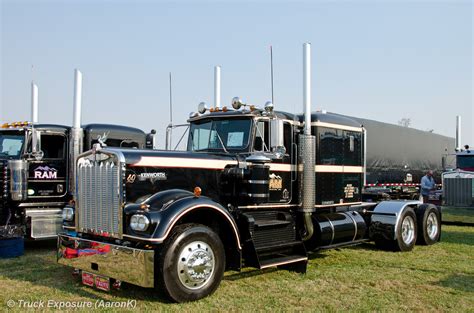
36, 151
443, 163
150, 139
276, 138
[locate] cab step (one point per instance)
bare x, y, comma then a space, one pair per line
271, 223
279, 246
283, 260
273, 241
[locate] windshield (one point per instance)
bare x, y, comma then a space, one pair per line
11, 144
225, 135
465, 162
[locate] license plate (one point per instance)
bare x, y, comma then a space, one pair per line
100, 282
88, 279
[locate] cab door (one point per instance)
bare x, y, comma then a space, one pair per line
47, 177
353, 166
280, 177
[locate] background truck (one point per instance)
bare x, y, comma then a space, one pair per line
36, 168
255, 188
458, 183
398, 157
458, 188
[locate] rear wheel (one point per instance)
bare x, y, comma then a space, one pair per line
429, 225
191, 263
406, 233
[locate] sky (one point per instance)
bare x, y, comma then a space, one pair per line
381, 60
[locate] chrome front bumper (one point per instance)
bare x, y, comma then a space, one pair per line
126, 264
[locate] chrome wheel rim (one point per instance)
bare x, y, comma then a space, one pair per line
408, 230
432, 225
196, 265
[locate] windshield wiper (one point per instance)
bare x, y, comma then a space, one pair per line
222, 143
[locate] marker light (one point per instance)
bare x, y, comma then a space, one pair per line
197, 192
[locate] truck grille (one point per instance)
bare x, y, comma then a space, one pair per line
458, 191
98, 201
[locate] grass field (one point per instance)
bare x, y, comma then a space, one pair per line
458, 215
435, 278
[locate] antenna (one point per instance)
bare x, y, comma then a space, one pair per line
171, 102
169, 129
271, 70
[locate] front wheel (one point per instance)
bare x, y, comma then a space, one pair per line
191, 263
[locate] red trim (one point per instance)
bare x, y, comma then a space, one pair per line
393, 184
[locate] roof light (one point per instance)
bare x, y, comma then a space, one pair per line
269, 107
202, 107
237, 103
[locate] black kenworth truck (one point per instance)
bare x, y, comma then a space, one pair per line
255, 188
35, 178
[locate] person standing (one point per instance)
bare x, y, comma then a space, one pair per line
428, 184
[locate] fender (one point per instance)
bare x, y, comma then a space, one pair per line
168, 207
162, 199
385, 218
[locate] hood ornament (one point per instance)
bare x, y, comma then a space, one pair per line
102, 139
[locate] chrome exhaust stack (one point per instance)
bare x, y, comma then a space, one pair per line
217, 86
34, 103
458, 133
35, 136
307, 151
77, 134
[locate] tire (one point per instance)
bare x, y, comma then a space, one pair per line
406, 235
191, 263
429, 225
406, 231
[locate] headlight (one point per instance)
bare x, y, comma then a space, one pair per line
139, 222
68, 214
